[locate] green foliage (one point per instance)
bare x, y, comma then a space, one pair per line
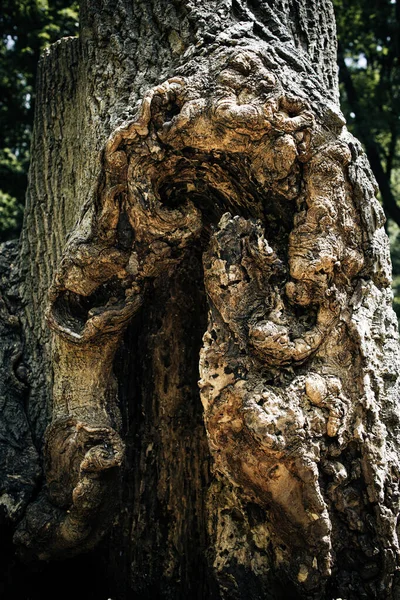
10, 214
369, 39
369, 42
27, 27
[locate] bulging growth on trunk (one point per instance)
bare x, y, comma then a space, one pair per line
237, 174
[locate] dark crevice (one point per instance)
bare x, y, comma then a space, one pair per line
71, 310
125, 232
163, 431
219, 183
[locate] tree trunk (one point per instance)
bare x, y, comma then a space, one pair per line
210, 354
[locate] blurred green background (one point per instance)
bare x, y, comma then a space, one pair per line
369, 71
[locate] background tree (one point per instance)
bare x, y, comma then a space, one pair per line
197, 212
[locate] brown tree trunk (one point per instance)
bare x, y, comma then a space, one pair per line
210, 354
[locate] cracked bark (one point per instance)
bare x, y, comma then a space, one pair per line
199, 219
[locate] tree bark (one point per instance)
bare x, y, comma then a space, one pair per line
206, 316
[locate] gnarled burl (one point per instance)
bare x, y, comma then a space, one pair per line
269, 183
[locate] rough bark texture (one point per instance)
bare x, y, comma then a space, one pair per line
198, 211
